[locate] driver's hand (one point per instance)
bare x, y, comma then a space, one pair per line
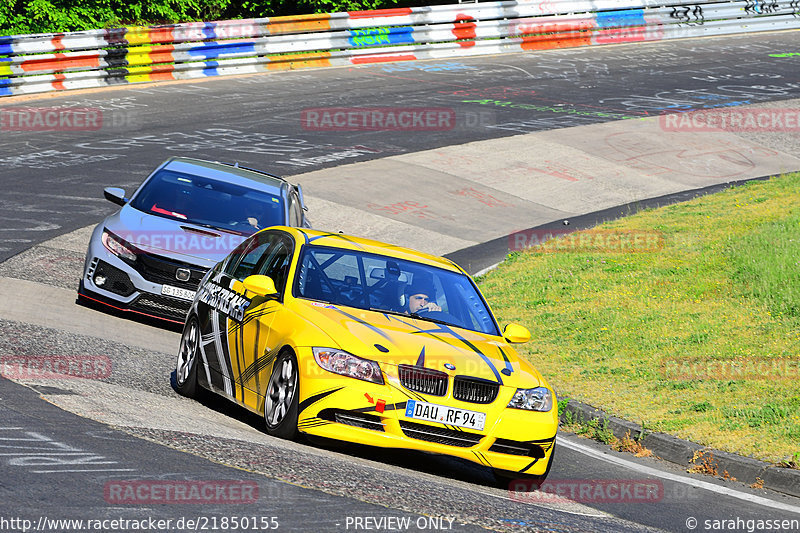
430, 307
253, 222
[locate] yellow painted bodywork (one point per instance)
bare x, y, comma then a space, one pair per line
270, 326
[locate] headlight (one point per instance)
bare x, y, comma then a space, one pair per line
117, 246
538, 399
347, 364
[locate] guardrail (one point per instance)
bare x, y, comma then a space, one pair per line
97, 58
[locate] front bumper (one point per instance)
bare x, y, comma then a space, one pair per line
138, 289
348, 409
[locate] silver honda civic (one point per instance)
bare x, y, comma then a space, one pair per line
150, 256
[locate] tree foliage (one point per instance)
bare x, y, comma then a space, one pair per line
50, 16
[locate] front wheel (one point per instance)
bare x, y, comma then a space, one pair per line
281, 404
186, 365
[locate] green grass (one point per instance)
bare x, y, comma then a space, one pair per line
767, 263
722, 288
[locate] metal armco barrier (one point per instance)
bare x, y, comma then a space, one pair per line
97, 58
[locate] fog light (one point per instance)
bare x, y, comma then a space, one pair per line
99, 280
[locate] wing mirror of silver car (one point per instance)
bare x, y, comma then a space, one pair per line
115, 195
261, 285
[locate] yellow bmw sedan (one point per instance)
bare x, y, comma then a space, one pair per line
357, 340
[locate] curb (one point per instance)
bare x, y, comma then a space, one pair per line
681, 452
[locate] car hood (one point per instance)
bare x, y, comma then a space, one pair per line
397, 339
178, 240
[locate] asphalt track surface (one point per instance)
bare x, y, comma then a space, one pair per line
51, 183
51, 179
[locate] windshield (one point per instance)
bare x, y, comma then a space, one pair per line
208, 202
380, 283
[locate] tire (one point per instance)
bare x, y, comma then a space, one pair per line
186, 364
280, 402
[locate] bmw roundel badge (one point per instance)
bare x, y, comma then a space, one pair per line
450, 366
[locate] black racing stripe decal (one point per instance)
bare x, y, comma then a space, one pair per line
241, 358
259, 364
365, 324
444, 328
508, 370
225, 356
235, 355
305, 404
541, 441
421, 359
544, 444
419, 329
481, 458
312, 422
258, 314
396, 406
336, 235
257, 375
530, 465
387, 407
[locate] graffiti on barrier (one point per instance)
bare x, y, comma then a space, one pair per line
756, 7
379, 36
688, 14
425, 67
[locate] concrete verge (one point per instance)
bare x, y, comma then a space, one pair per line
682, 452
481, 256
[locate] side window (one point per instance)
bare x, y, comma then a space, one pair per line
233, 259
277, 261
247, 256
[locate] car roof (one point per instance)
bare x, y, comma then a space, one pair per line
246, 177
350, 242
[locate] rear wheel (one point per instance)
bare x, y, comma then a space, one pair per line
281, 403
186, 365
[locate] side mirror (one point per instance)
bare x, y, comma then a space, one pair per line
516, 334
115, 195
261, 285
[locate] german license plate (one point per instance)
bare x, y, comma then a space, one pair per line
451, 416
177, 292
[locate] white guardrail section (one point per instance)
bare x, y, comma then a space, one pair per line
97, 58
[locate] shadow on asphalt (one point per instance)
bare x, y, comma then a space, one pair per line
446, 467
